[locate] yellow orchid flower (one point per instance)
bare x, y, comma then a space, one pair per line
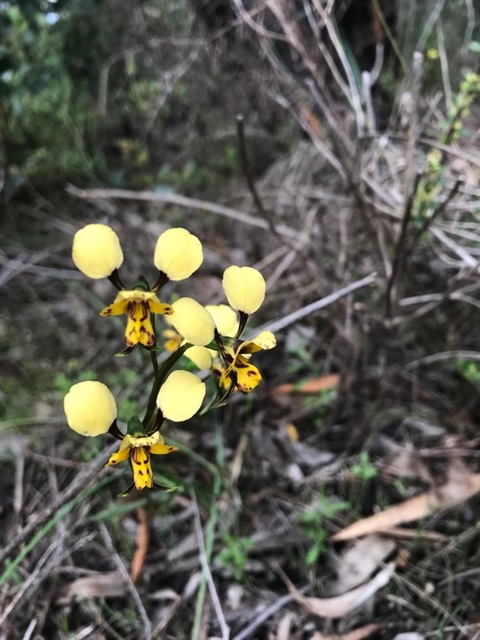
173, 340
237, 369
138, 305
138, 450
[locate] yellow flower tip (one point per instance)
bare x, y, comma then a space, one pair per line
96, 250
193, 322
264, 341
90, 408
178, 253
225, 318
248, 376
181, 396
244, 287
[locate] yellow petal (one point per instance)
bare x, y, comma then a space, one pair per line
181, 396
200, 356
142, 468
96, 250
225, 318
139, 326
244, 288
117, 308
265, 340
178, 253
162, 449
119, 456
158, 307
193, 322
248, 376
90, 408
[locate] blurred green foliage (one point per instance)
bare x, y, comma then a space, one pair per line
99, 92
313, 523
44, 120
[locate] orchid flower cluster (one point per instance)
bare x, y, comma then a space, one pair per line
210, 337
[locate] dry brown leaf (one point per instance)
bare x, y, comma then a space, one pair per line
99, 585
339, 606
357, 563
314, 385
461, 486
412, 509
356, 634
142, 541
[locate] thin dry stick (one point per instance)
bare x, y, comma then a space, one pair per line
76, 486
247, 172
413, 130
400, 250
180, 201
147, 626
445, 355
30, 629
265, 615
460, 251
319, 304
447, 86
225, 629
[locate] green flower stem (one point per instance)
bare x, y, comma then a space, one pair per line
153, 357
160, 376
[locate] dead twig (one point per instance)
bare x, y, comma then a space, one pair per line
400, 250
280, 324
180, 201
